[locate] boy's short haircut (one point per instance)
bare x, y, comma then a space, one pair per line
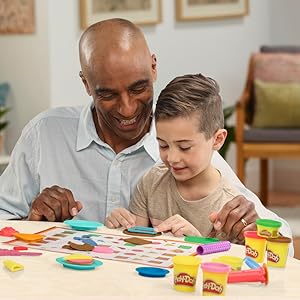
192, 94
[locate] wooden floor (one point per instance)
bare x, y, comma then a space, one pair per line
287, 200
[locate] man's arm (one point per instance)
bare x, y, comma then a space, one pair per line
19, 181
20, 195
260, 210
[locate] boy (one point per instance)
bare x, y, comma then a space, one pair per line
181, 193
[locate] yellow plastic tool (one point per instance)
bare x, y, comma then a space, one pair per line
12, 265
233, 261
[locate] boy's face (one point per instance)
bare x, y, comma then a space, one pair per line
185, 150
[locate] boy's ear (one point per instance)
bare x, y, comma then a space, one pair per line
219, 139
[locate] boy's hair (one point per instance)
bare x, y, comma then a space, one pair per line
188, 95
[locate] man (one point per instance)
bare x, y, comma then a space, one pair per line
85, 162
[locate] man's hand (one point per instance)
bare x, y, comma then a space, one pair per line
234, 218
178, 226
120, 217
54, 204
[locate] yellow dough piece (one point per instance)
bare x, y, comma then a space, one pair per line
12, 265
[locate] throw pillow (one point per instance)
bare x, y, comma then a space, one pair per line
277, 105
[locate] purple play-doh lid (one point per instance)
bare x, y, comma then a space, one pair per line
215, 267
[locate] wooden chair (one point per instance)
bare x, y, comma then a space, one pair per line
277, 67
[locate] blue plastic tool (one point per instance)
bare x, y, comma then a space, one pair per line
251, 263
86, 240
152, 272
83, 224
142, 229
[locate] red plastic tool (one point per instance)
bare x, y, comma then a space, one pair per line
254, 275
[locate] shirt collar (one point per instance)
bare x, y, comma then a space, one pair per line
150, 143
87, 134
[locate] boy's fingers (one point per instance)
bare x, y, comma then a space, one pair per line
163, 227
109, 224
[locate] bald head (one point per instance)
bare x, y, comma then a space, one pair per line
112, 36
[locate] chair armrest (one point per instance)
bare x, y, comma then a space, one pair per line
242, 106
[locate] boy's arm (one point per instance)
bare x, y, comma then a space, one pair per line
137, 213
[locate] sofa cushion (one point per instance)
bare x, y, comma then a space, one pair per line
273, 135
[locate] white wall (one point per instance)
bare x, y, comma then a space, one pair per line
285, 31
43, 68
24, 64
285, 22
64, 34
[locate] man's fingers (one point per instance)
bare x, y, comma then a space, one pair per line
71, 208
54, 204
41, 211
233, 219
213, 217
244, 217
232, 212
249, 227
246, 222
225, 211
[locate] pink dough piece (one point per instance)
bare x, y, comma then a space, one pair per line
103, 249
8, 231
80, 261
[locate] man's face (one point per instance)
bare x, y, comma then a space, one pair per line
122, 89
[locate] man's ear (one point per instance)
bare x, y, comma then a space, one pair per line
154, 67
86, 85
219, 139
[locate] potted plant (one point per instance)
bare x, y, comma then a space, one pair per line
4, 89
4, 123
228, 111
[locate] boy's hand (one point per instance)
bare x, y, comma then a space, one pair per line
178, 226
120, 217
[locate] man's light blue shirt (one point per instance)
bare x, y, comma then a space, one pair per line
61, 147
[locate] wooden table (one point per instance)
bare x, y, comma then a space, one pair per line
44, 278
